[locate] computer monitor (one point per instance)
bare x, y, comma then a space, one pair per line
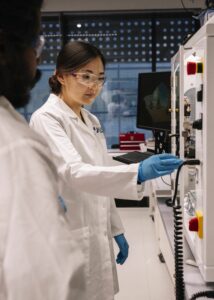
154, 101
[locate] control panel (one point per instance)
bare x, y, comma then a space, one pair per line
193, 96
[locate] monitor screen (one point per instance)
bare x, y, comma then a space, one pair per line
154, 101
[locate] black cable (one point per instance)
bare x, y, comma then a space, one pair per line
182, 2
185, 7
178, 253
171, 202
194, 11
192, 162
178, 235
207, 294
166, 182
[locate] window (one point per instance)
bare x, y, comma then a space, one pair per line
132, 43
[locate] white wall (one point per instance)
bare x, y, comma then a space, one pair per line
106, 5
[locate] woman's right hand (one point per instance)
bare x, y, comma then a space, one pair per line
157, 165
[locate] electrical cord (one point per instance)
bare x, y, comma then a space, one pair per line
178, 252
189, 10
182, 2
189, 162
178, 234
178, 241
208, 3
207, 294
166, 182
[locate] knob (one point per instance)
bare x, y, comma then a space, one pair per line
196, 224
191, 68
197, 124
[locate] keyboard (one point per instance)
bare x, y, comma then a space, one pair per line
133, 157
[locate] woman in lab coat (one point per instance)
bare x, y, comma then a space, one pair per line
88, 182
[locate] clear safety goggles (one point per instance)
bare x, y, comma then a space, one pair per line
38, 45
89, 79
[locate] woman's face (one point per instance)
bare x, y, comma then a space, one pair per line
82, 87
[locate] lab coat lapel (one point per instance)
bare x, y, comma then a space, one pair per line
90, 125
85, 127
96, 130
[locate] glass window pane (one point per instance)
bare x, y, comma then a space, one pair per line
117, 103
131, 44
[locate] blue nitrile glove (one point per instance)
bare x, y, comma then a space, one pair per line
124, 248
157, 165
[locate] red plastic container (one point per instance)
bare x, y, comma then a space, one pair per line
131, 140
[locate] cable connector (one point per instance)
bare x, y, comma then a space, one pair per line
191, 162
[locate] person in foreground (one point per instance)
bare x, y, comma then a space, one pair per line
39, 256
89, 181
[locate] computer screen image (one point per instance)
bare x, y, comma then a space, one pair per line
154, 101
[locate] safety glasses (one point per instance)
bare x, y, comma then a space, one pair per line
89, 79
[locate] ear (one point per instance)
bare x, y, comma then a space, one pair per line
61, 79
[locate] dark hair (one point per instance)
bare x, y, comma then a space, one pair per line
19, 29
19, 20
73, 56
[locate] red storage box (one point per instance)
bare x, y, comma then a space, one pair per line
131, 140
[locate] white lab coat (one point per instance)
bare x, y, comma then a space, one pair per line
40, 257
88, 186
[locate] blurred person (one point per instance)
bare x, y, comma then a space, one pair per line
88, 181
40, 256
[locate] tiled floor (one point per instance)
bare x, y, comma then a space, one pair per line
143, 276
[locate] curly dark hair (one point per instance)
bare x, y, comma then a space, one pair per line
19, 29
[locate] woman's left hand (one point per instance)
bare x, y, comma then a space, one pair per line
124, 248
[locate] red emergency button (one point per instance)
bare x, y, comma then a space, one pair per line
196, 224
193, 224
191, 68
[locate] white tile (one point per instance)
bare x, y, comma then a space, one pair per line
143, 276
